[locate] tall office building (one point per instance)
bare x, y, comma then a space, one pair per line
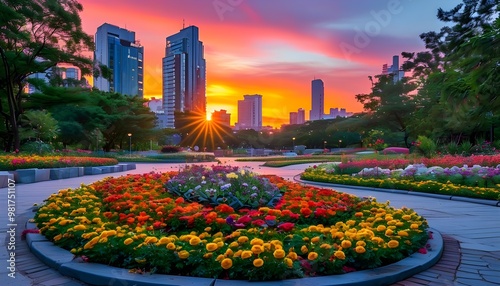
394, 70
184, 74
250, 112
298, 117
118, 49
318, 100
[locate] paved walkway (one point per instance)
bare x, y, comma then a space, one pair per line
471, 231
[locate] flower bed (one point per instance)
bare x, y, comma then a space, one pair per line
455, 181
134, 222
444, 161
10, 162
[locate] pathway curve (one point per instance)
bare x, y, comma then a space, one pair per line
471, 231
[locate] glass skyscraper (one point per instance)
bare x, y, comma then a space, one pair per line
317, 100
117, 49
184, 75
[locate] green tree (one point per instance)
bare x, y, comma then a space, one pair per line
35, 36
38, 125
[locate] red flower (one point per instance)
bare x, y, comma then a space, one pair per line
258, 222
270, 217
306, 212
244, 219
287, 226
422, 250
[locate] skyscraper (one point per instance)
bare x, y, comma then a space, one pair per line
318, 100
394, 70
301, 116
250, 112
117, 49
184, 75
222, 117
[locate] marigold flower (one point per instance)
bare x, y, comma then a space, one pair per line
381, 228
361, 243
211, 246
229, 252
279, 253
220, 257
128, 241
80, 227
164, 240
393, 244
246, 254
257, 249
406, 217
208, 255
312, 255
360, 249
325, 246
292, 255
234, 244
256, 241
150, 240
403, 233
194, 240
288, 262
171, 246
226, 263
389, 232
183, 254
237, 253
304, 249
414, 226
258, 262
339, 254
346, 243
315, 239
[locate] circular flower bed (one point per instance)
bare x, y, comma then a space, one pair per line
227, 223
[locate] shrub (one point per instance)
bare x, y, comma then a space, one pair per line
170, 149
426, 146
452, 148
465, 148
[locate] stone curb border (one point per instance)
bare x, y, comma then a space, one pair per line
99, 274
394, 191
35, 175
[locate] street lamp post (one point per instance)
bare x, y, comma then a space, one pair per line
324, 145
130, 144
293, 144
340, 142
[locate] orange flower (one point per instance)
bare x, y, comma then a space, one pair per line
258, 262
226, 263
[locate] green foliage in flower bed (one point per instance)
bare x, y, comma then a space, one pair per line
292, 162
448, 188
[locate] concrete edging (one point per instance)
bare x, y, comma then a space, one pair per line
99, 274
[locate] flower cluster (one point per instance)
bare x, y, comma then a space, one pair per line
14, 162
238, 188
132, 222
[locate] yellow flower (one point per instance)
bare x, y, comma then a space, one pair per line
406, 217
389, 232
256, 241
381, 227
346, 243
211, 246
242, 239
163, 240
183, 254
312, 255
361, 243
279, 253
128, 241
234, 244
325, 246
171, 246
220, 257
315, 239
238, 253
339, 254
194, 240
257, 249
360, 249
80, 227
393, 243
414, 226
150, 240
57, 237
292, 255
258, 262
289, 262
403, 233
229, 252
226, 263
304, 249
246, 254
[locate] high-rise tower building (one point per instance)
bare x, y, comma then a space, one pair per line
394, 70
118, 49
318, 100
250, 112
184, 74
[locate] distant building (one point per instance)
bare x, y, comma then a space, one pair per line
318, 100
184, 75
62, 74
395, 70
222, 117
293, 118
118, 49
155, 105
250, 113
301, 116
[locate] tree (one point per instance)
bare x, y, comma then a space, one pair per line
390, 103
35, 35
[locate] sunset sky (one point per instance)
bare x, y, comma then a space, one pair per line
275, 48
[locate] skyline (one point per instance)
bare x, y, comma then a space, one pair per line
276, 49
